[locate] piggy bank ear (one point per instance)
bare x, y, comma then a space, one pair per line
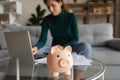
54, 49
68, 48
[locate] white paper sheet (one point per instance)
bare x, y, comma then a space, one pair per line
80, 60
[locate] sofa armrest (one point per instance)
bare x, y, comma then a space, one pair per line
114, 43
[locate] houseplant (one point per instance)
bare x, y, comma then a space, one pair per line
36, 19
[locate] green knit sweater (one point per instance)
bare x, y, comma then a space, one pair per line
63, 29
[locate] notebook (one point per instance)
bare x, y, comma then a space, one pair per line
19, 46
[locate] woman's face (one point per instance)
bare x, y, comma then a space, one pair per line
54, 7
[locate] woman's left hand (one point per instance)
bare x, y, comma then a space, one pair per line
34, 50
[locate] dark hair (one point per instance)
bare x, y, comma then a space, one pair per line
64, 7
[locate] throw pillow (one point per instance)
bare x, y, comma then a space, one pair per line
114, 43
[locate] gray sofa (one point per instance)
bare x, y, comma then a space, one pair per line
100, 36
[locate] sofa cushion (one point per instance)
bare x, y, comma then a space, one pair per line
107, 55
86, 34
34, 31
2, 37
96, 34
114, 43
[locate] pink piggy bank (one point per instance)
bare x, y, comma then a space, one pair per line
60, 60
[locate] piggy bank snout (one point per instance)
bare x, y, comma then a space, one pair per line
63, 63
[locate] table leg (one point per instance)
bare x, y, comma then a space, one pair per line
17, 70
102, 77
72, 73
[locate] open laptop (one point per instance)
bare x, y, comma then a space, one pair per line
19, 46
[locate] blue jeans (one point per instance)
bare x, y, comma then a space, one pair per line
83, 48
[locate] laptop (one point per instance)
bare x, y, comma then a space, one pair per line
19, 46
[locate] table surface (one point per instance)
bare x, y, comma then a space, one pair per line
9, 70
95, 71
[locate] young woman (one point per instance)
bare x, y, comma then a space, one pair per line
63, 27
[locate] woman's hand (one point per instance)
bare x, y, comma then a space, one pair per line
34, 50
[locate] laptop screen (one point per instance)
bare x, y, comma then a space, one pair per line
19, 45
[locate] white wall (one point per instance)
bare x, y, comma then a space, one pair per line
28, 7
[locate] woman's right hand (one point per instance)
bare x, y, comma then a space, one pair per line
34, 50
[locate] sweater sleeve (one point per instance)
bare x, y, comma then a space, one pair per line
74, 29
43, 36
